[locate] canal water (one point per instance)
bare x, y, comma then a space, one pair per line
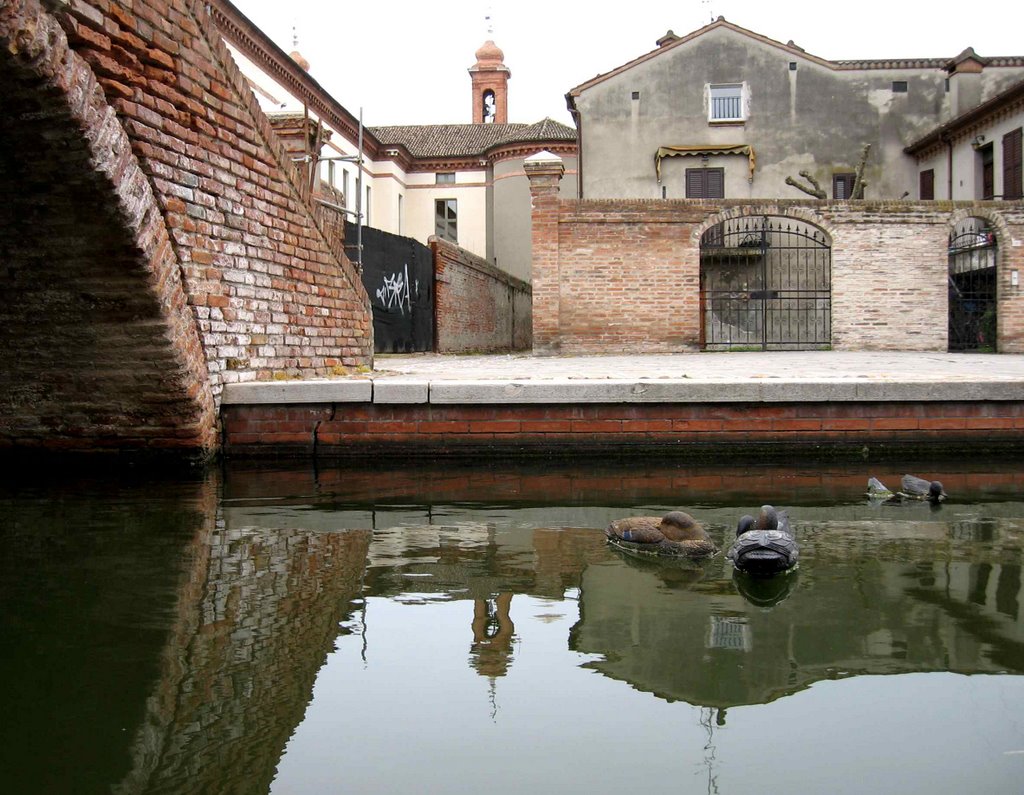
466, 629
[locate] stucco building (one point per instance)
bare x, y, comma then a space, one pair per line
725, 112
462, 182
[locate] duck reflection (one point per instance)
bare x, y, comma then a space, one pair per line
765, 591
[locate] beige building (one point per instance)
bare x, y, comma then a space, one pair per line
725, 112
464, 183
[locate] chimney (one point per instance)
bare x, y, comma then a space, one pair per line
965, 81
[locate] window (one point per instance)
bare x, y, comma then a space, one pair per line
400, 211
899, 86
446, 219
1012, 188
636, 95
344, 189
705, 183
444, 178
842, 185
792, 66
725, 102
988, 172
926, 188
366, 208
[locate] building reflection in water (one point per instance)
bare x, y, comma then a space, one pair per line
224, 621
261, 613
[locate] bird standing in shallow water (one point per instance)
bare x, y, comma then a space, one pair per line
676, 534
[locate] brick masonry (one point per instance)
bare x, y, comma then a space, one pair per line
346, 430
478, 307
624, 276
159, 241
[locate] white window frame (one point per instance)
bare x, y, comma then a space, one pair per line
723, 91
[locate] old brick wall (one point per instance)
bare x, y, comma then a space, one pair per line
624, 276
426, 430
270, 297
156, 197
100, 347
477, 306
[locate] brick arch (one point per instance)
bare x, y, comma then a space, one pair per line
993, 216
806, 214
103, 349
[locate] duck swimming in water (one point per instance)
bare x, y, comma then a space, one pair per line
911, 488
676, 534
765, 545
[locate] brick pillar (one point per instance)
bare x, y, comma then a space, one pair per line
545, 171
1010, 312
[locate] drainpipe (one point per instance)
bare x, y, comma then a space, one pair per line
949, 164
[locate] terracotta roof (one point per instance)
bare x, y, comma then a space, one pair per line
468, 140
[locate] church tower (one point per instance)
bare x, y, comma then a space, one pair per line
490, 85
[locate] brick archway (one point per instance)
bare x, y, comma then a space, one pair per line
765, 284
103, 351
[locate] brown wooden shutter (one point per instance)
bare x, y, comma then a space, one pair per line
926, 189
715, 185
695, 183
842, 185
1012, 188
705, 183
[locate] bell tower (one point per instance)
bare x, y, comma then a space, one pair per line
490, 85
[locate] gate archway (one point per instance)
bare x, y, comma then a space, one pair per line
766, 284
972, 286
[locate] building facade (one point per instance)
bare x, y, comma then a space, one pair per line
463, 183
725, 112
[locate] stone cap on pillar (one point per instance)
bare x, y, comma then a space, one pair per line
544, 163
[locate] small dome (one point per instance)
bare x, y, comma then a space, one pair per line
490, 52
296, 56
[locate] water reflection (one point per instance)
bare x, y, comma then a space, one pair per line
168, 640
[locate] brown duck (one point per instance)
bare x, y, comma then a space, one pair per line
676, 534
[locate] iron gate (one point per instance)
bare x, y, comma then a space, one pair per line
398, 274
972, 287
766, 284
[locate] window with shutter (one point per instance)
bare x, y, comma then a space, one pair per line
1012, 159
705, 183
842, 185
926, 187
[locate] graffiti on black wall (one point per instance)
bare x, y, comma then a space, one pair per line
398, 274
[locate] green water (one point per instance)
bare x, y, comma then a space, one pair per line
467, 630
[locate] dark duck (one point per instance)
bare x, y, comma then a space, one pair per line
676, 534
911, 488
765, 545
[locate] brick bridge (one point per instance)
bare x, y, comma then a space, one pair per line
156, 240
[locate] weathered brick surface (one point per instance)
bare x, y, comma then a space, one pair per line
160, 241
477, 306
100, 346
624, 276
344, 430
254, 634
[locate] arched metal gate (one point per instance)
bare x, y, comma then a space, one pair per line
766, 284
972, 286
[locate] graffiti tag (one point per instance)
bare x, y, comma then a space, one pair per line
395, 291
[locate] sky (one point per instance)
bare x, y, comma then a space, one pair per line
405, 62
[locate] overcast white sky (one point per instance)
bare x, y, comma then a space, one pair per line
405, 61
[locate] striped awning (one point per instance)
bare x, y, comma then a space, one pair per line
704, 150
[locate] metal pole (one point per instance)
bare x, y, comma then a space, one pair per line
359, 198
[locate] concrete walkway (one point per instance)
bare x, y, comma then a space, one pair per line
658, 378
821, 366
